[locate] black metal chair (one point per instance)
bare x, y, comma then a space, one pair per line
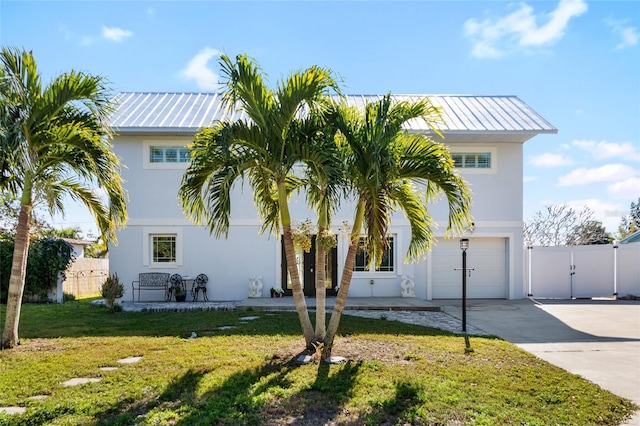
200, 284
175, 281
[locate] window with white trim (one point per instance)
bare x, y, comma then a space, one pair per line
168, 154
471, 160
388, 258
163, 248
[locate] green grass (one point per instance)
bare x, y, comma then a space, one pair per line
397, 374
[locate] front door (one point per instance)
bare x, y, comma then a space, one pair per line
306, 263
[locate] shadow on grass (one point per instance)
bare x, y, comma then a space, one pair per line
249, 397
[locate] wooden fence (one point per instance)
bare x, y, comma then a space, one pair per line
85, 276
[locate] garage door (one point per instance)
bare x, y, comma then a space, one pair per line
488, 280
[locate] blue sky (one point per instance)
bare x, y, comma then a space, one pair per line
576, 62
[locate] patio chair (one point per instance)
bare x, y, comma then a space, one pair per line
200, 284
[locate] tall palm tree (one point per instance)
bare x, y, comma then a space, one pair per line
262, 149
56, 143
390, 169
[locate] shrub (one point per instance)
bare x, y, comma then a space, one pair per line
47, 259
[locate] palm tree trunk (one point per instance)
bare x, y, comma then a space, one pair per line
345, 282
17, 280
298, 295
321, 291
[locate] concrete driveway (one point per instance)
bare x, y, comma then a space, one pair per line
596, 339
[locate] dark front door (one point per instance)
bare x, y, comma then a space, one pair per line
306, 263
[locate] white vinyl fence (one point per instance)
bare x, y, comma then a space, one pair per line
582, 271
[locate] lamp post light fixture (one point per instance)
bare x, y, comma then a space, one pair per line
464, 245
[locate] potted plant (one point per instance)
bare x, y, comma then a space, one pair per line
111, 290
276, 292
181, 295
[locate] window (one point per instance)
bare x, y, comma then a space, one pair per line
387, 264
472, 160
162, 246
168, 154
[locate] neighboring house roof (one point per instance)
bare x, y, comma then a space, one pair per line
633, 238
496, 117
77, 242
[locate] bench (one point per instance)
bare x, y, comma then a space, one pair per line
151, 281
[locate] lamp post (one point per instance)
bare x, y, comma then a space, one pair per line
464, 245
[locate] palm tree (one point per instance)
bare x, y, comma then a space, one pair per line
55, 143
262, 149
390, 169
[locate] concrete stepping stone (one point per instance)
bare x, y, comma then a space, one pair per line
108, 368
80, 381
13, 410
226, 327
130, 360
39, 397
250, 318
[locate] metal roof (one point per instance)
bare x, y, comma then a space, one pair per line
186, 113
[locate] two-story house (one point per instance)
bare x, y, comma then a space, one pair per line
484, 133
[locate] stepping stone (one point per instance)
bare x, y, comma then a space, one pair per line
226, 327
38, 397
108, 368
80, 381
335, 360
13, 410
249, 318
130, 360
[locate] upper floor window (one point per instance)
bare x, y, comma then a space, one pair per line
387, 264
168, 154
472, 160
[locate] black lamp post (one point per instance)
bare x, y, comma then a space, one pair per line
464, 245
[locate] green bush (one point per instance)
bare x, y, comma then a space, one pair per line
48, 258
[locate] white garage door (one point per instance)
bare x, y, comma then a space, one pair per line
488, 280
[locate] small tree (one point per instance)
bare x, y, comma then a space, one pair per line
631, 222
554, 225
590, 233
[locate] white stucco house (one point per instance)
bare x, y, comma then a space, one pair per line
484, 133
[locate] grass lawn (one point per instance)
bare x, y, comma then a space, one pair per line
396, 374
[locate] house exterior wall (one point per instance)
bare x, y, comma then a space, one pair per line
153, 207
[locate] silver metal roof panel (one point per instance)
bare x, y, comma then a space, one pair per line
186, 113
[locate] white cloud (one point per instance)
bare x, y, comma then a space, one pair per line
627, 188
605, 149
197, 69
604, 212
115, 34
606, 173
550, 160
494, 38
628, 34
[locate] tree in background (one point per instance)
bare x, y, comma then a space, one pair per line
592, 232
55, 142
561, 225
630, 223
